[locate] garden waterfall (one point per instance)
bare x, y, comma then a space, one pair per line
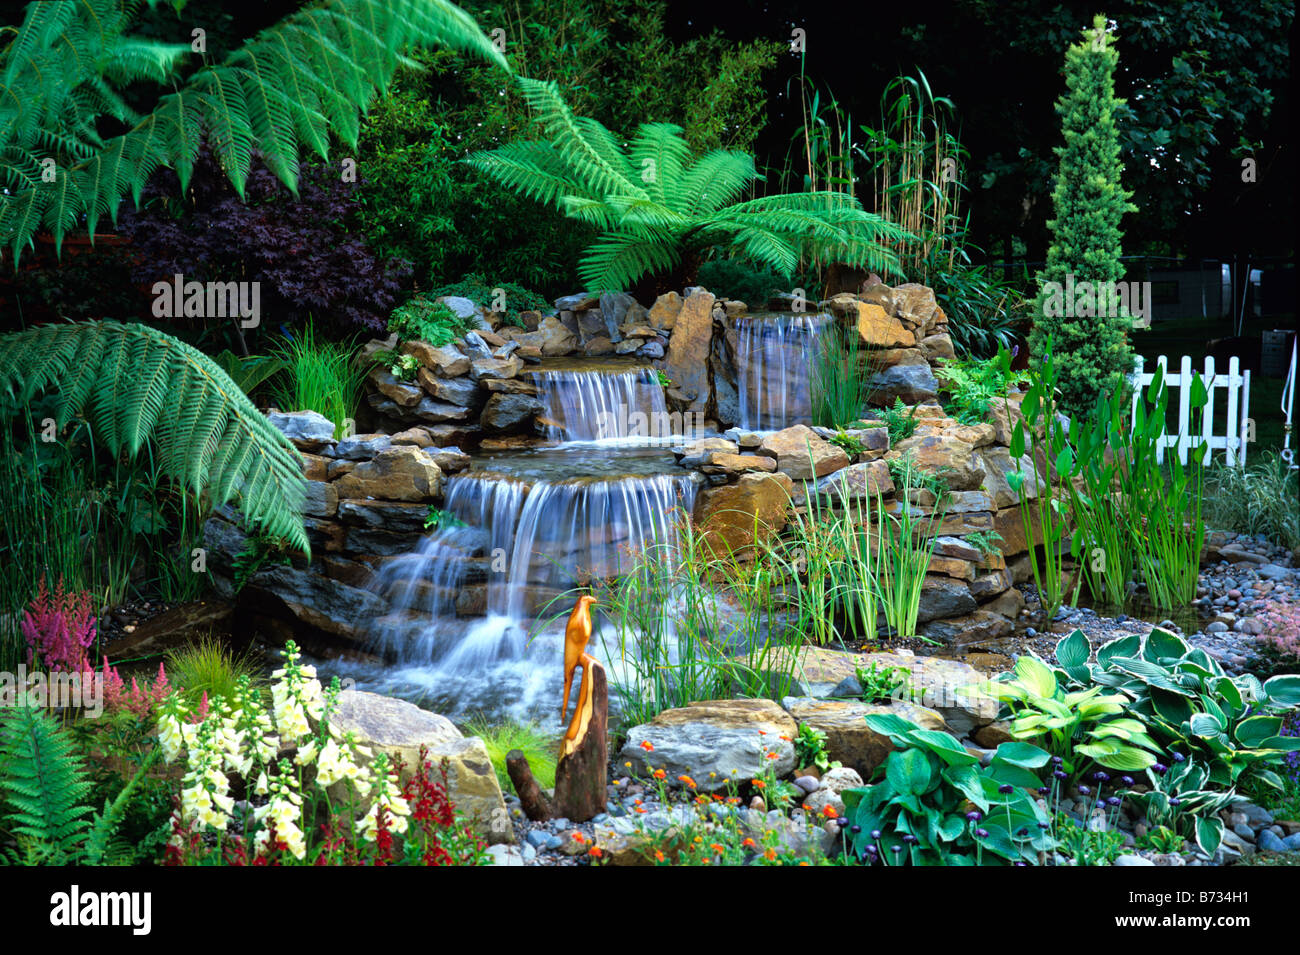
517, 531
775, 355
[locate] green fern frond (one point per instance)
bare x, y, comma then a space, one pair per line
135, 384
101, 846
653, 199
286, 88
43, 785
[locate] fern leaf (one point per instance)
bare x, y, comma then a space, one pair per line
44, 783
134, 384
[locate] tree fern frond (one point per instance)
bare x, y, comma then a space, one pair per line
616, 260
311, 73
173, 395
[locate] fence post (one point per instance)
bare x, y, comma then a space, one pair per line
1234, 382
1245, 415
1163, 364
1207, 413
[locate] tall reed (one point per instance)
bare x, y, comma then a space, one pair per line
907, 545
319, 376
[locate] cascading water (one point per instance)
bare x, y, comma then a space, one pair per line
601, 405
516, 546
775, 354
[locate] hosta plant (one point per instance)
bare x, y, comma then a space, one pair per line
1184, 800
936, 804
1191, 706
1082, 726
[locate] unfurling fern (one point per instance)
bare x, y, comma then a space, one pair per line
655, 198
42, 786
290, 86
134, 384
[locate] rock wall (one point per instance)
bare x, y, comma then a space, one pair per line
369, 493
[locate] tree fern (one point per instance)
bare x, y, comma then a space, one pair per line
654, 198
134, 384
287, 87
43, 786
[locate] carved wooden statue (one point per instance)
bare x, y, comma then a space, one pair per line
580, 774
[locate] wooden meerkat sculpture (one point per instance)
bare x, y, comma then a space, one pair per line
580, 775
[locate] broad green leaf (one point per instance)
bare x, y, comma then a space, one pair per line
1036, 676
1163, 645
1122, 647
891, 725
1022, 754
908, 771
1209, 834
1073, 651
1284, 689
1206, 725
946, 747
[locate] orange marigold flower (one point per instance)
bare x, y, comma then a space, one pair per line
579, 838
762, 732
647, 746
749, 842
715, 797
758, 783
640, 809
690, 783
784, 737
715, 847
701, 800
595, 851
659, 774
829, 812
769, 855
659, 856
773, 756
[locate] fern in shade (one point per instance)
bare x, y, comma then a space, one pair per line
287, 88
42, 785
655, 199
134, 384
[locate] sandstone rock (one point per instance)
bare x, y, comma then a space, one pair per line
446, 361
400, 729
729, 738
362, 447
315, 467
456, 391
598, 347
664, 312
308, 430
504, 412
911, 383
935, 347
879, 329
945, 457
449, 460
482, 368
993, 735
321, 500
439, 411
416, 436
614, 307
848, 738
734, 517
401, 393
858, 482
384, 515
403, 473
686, 362
720, 462
916, 305
803, 454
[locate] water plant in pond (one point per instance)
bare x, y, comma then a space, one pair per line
907, 543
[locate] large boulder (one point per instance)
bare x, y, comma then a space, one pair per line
911, 383
802, 453
734, 517
311, 598
715, 742
402, 473
848, 737
878, 329
505, 412
942, 596
687, 360
308, 430
664, 312
943, 456
446, 361
858, 482
386, 725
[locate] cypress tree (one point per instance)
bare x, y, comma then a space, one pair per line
1087, 328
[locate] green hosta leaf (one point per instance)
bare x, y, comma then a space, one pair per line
1282, 744
891, 725
1022, 754
1252, 732
966, 780
1123, 647
1283, 689
1073, 651
1152, 673
1115, 755
908, 771
951, 828
1270, 778
946, 747
1036, 676
1171, 707
1205, 725
1209, 834
1163, 645
1001, 772
1231, 696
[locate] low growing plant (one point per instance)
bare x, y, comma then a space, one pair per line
810, 749
973, 385
936, 805
1184, 801
880, 682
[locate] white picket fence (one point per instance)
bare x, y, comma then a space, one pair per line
1239, 426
